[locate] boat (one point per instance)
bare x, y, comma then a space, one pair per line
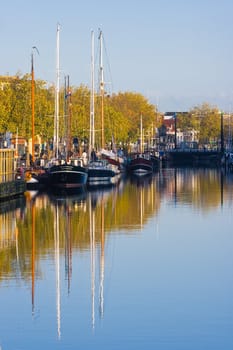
115, 158
68, 173
140, 163
36, 178
100, 171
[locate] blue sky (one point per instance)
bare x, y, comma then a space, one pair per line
177, 53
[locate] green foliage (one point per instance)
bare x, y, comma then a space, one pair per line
185, 121
121, 112
132, 106
208, 121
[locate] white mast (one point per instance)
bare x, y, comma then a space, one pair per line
101, 67
56, 119
92, 101
101, 78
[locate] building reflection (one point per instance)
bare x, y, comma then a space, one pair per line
9, 212
41, 226
200, 188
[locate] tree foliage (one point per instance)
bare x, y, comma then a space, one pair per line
132, 106
207, 120
122, 111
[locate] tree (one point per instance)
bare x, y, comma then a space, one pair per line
209, 122
132, 106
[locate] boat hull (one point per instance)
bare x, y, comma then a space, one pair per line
67, 176
100, 177
140, 166
100, 174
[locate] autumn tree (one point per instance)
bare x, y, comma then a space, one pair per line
132, 106
208, 121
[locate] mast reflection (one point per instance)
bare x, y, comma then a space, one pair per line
64, 204
36, 230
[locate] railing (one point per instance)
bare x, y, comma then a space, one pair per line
192, 150
7, 165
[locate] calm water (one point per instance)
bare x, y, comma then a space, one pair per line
147, 264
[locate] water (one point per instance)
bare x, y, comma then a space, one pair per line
145, 265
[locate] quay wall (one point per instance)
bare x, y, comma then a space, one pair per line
12, 189
9, 185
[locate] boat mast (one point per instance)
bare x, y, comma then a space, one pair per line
67, 117
141, 131
101, 76
33, 102
33, 108
56, 119
92, 100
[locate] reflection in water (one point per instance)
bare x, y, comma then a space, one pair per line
63, 205
33, 255
27, 225
121, 208
202, 189
57, 264
92, 247
46, 227
97, 201
9, 212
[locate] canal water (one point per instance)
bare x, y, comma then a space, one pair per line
147, 264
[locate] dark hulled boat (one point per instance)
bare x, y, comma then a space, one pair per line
100, 173
68, 175
140, 164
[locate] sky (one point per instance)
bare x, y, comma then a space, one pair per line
177, 53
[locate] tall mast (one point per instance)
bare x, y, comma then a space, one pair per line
92, 100
33, 108
141, 136
33, 102
101, 76
67, 116
56, 119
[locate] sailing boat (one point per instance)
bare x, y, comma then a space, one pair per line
111, 156
100, 172
36, 177
141, 163
68, 173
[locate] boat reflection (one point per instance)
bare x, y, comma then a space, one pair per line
144, 180
201, 188
11, 212
57, 227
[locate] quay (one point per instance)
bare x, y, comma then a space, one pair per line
194, 157
10, 186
